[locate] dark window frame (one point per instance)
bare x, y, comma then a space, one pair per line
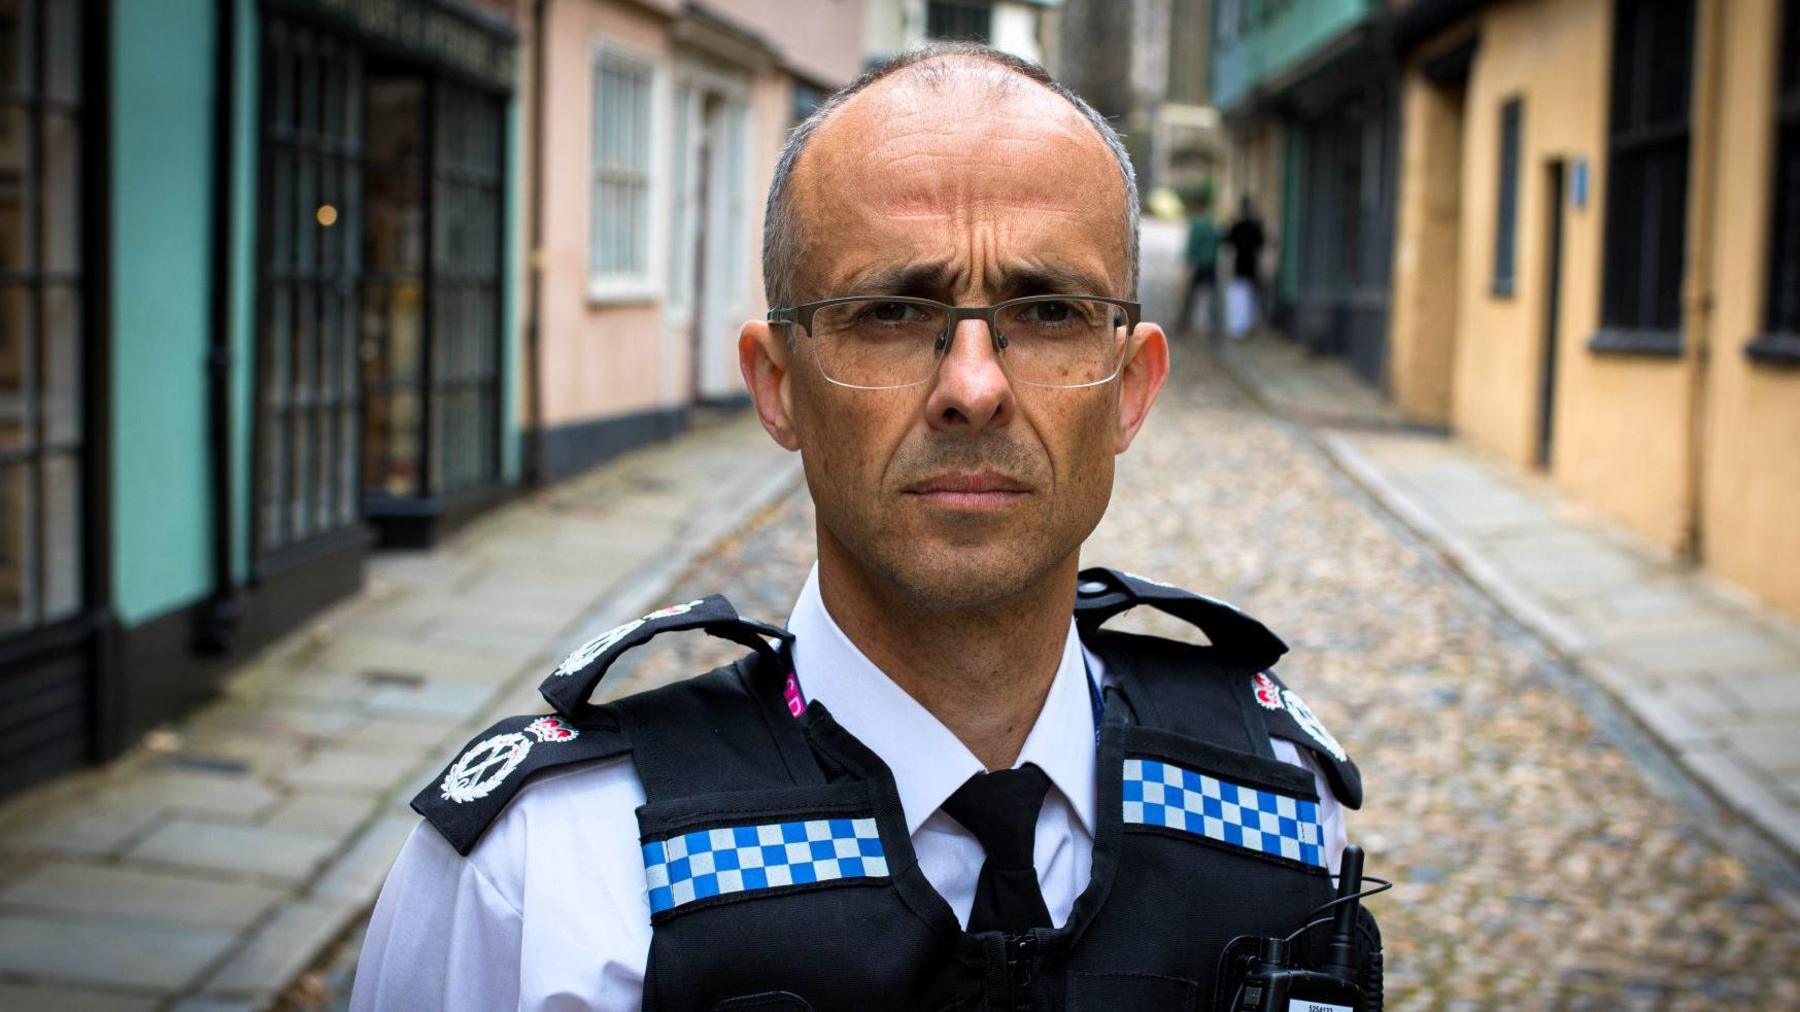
1779, 343
956, 20
1506, 203
294, 287
51, 274
1650, 136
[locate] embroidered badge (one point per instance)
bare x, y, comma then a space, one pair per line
1163, 794
715, 862
551, 729
1303, 715
610, 638
490, 761
1267, 693
478, 771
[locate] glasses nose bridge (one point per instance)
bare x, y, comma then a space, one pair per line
985, 314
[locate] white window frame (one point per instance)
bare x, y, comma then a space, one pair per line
647, 284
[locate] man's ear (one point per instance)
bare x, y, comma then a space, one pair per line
1146, 369
763, 355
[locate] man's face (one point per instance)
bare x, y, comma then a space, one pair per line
963, 490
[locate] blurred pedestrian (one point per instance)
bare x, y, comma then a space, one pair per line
1202, 259
1244, 299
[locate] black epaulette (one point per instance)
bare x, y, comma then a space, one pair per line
1238, 638
466, 798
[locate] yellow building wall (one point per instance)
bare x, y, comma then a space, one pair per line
1621, 425
1750, 492
1427, 242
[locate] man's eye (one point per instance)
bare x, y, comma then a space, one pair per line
1049, 312
890, 312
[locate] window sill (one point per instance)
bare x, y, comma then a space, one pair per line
1501, 289
1615, 341
1774, 350
622, 293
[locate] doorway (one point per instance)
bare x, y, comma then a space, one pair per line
1552, 312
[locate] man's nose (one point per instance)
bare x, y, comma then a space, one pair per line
970, 388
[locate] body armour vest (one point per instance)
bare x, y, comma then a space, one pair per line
780, 874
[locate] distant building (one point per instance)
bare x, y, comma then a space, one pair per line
648, 172
1025, 28
1143, 64
1598, 263
253, 319
266, 299
1310, 94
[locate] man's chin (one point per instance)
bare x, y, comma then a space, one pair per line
952, 574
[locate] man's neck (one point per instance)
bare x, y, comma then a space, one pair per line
983, 673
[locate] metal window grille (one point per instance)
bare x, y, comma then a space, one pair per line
1784, 228
1506, 212
623, 90
41, 321
1646, 221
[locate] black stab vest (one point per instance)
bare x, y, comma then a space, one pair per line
781, 874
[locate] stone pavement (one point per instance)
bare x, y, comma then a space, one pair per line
211, 865
1712, 674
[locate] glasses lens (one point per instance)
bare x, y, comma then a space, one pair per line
1062, 342
878, 342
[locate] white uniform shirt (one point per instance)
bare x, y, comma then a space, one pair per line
550, 910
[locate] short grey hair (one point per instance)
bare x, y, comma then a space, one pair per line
782, 242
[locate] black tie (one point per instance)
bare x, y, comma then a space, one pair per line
1001, 809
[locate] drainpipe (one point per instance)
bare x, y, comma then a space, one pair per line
1697, 303
216, 622
534, 393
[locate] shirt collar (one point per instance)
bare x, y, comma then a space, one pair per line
928, 761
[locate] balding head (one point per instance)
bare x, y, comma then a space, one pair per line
996, 101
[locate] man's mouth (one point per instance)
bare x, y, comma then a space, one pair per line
969, 489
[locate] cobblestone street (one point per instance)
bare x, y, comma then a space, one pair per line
1538, 863
1547, 854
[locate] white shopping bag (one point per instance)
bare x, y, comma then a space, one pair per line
1240, 308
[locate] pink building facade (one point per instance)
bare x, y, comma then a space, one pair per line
651, 130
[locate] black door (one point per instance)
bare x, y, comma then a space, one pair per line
1552, 304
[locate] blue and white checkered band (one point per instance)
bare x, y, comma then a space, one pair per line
1163, 794
716, 862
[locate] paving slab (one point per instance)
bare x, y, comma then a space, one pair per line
280, 949
18, 998
97, 951
228, 849
129, 893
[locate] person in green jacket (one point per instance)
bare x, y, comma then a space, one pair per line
1202, 258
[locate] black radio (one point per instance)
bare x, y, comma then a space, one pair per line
1270, 975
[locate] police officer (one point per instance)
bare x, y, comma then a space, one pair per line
942, 784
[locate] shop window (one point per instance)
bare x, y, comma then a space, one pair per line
313, 247
961, 22
1646, 219
42, 326
1506, 210
624, 106
1782, 321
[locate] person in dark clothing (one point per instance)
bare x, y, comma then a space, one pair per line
1247, 238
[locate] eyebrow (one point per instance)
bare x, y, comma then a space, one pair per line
936, 277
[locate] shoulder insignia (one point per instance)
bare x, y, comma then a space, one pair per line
575, 679
1290, 718
469, 795
1102, 593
